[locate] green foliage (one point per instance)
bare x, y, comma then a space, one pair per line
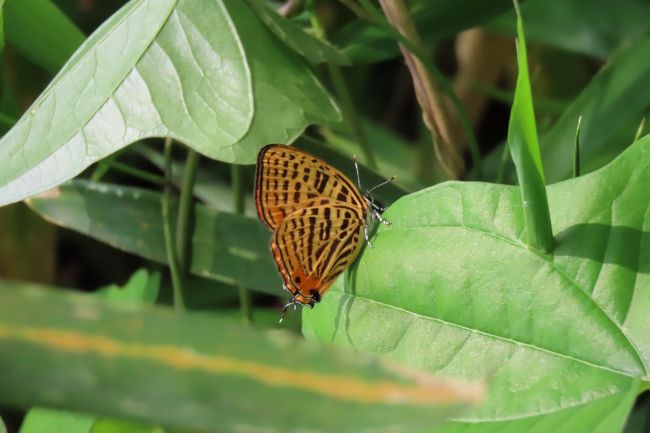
524, 149
163, 84
196, 371
535, 297
452, 288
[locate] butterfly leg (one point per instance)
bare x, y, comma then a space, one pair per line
377, 215
365, 232
291, 302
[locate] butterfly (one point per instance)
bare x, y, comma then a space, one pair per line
317, 216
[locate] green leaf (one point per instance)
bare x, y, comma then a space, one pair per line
3, 429
39, 420
611, 107
524, 149
207, 73
200, 372
435, 20
452, 288
41, 32
312, 48
141, 288
226, 247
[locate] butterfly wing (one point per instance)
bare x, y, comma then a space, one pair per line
288, 179
313, 245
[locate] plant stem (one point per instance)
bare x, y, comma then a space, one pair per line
185, 208
239, 205
432, 103
131, 171
374, 16
343, 93
177, 280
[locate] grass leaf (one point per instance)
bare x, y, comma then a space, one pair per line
200, 372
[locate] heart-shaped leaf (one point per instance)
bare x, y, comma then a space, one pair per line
452, 288
200, 71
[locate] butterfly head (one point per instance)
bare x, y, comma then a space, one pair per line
300, 299
305, 290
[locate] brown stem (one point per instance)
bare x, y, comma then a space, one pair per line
435, 115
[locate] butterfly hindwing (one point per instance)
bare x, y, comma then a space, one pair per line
314, 244
289, 178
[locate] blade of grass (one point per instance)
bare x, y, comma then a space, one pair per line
524, 148
639, 131
198, 372
576, 150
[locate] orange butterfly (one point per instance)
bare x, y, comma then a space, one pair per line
317, 216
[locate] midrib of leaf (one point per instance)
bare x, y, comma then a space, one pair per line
39, 101
240, 45
478, 331
555, 268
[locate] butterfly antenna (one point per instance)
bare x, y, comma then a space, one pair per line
392, 178
356, 167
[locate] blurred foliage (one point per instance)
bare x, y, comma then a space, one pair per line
453, 287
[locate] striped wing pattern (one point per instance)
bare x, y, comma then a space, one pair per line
317, 216
315, 244
289, 178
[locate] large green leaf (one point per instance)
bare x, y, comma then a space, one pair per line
226, 247
199, 372
141, 288
452, 288
207, 73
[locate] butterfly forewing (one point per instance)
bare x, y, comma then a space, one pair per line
289, 178
315, 244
